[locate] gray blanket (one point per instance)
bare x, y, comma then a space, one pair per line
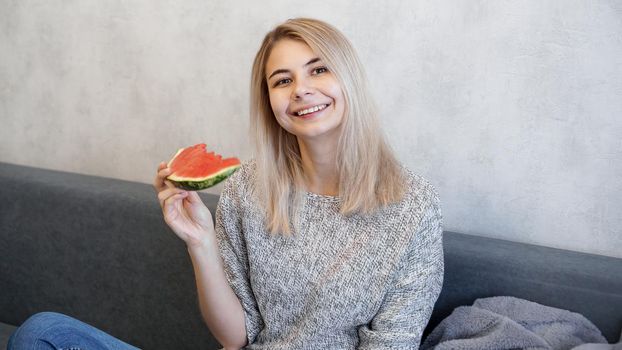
512, 323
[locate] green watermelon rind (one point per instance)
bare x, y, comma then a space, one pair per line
201, 184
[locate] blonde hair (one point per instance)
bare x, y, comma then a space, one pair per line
370, 176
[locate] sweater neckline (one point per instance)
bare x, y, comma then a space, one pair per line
322, 197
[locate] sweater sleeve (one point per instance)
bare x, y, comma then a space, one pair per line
407, 307
232, 246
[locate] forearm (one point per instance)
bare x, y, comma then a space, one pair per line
220, 307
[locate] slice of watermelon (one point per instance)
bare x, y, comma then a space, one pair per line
194, 169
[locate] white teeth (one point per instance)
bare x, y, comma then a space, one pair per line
311, 110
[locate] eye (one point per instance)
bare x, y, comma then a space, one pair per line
320, 70
282, 81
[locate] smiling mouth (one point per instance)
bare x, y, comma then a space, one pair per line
311, 110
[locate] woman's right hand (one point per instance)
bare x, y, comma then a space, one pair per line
184, 212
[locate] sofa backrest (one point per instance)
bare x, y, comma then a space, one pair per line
98, 249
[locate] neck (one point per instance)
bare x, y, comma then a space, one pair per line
320, 166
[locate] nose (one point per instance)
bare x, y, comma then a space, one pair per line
301, 89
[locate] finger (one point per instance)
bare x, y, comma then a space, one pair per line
167, 193
161, 167
171, 201
158, 182
157, 185
162, 174
163, 195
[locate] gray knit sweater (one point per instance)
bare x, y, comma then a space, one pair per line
356, 282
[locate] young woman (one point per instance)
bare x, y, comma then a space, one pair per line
323, 240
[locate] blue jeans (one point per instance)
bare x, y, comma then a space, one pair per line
50, 330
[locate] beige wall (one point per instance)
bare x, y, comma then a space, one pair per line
512, 109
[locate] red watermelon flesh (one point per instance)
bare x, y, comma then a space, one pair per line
193, 168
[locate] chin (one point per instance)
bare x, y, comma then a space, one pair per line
318, 133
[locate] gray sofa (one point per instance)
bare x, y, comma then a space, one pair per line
98, 249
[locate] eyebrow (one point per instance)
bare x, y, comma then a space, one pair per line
278, 71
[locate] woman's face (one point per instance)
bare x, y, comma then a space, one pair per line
306, 98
